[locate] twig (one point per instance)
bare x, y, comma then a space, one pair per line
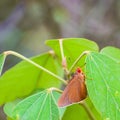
33, 63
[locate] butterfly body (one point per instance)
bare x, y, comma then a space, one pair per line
75, 91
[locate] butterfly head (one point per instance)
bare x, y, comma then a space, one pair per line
78, 70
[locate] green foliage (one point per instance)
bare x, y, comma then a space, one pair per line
103, 84
102, 80
24, 77
40, 106
75, 112
111, 52
8, 108
72, 48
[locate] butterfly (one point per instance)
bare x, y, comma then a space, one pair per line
75, 91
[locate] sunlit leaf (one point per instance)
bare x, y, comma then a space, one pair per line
2, 60
111, 52
8, 108
23, 78
72, 48
92, 109
103, 84
77, 111
40, 106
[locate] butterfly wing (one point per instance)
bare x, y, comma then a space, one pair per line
74, 92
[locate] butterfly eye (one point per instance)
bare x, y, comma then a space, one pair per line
79, 70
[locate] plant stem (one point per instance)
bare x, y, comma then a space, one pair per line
61, 48
64, 62
35, 64
87, 109
77, 60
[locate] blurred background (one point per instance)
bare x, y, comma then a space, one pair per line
26, 24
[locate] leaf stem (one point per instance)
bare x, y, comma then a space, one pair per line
61, 48
77, 60
64, 62
87, 109
35, 64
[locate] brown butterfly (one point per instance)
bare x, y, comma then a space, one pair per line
75, 91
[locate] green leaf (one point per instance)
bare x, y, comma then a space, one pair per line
40, 106
23, 78
2, 60
72, 48
9, 107
111, 52
77, 111
103, 84
93, 110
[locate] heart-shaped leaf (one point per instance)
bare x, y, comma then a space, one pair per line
40, 106
111, 52
72, 48
103, 84
24, 77
2, 60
